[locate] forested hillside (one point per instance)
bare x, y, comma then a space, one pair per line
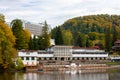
92, 30
93, 23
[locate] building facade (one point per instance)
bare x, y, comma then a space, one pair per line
35, 29
62, 55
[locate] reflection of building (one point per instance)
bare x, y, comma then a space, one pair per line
62, 55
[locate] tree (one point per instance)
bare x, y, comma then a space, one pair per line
108, 39
19, 34
53, 32
58, 36
19, 64
2, 18
67, 37
27, 36
7, 42
81, 40
35, 43
31, 44
114, 33
46, 36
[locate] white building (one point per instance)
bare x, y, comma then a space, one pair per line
66, 54
29, 58
35, 29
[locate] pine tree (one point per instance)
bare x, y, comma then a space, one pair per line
108, 39
59, 37
114, 32
35, 43
19, 33
31, 44
44, 39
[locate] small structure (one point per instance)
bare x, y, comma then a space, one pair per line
116, 46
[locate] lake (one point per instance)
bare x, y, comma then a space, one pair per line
63, 75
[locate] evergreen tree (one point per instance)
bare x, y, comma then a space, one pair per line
114, 33
35, 43
79, 41
108, 39
45, 36
31, 44
19, 34
58, 37
88, 41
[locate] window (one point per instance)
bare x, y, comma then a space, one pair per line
32, 58
39, 58
68, 58
45, 58
55, 58
87, 58
28, 53
50, 58
73, 58
27, 58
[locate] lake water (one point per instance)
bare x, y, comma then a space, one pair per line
66, 75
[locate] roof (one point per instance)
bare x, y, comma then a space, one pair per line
89, 48
118, 41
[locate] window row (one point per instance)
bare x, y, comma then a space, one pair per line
28, 58
74, 58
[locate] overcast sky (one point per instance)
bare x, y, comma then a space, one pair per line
56, 12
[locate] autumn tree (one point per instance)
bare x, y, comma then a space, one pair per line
7, 42
27, 36
2, 18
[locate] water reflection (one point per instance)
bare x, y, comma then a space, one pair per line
66, 75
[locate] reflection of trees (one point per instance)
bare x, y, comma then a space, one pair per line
114, 76
7, 76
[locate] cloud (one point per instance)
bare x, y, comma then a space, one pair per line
56, 12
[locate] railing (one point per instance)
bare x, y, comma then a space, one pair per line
114, 57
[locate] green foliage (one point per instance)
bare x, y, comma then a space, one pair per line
31, 44
45, 37
59, 37
17, 28
67, 37
19, 64
35, 43
108, 41
95, 28
40, 42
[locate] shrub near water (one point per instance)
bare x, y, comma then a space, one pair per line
19, 64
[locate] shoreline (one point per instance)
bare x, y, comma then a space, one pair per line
63, 68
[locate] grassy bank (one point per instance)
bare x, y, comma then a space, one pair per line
112, 63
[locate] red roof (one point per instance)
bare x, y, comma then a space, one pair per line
118, 41
77, 47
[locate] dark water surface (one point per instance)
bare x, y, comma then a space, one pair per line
66, 75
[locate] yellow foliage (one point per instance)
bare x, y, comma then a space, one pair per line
27, 34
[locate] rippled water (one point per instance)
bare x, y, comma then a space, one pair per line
66, 75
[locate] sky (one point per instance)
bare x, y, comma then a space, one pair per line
56, 12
